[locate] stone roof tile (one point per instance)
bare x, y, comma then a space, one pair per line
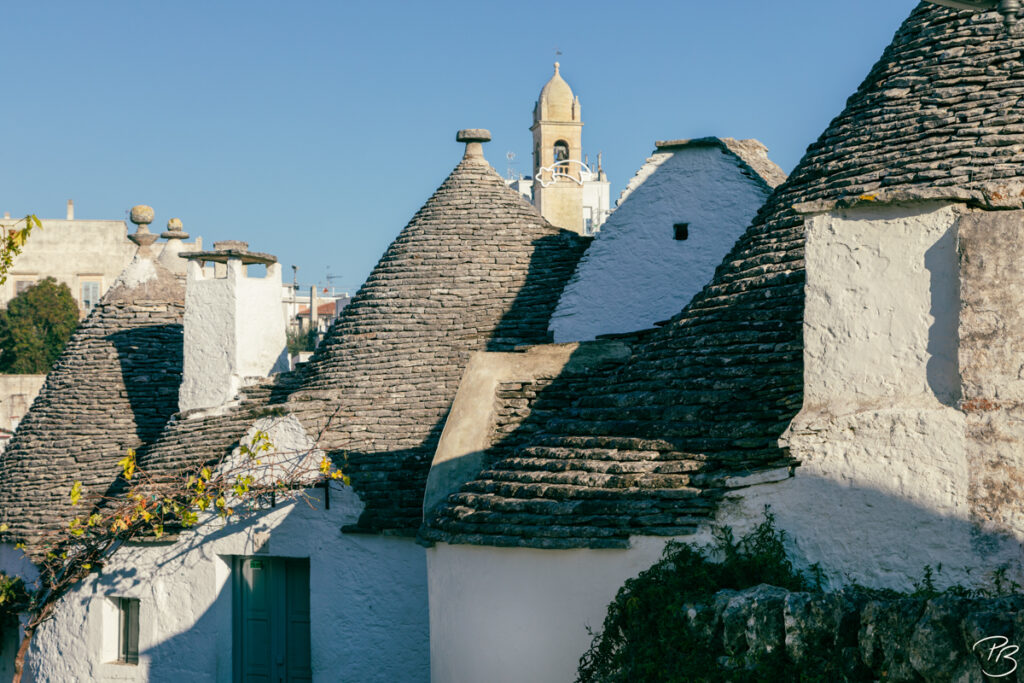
114, 387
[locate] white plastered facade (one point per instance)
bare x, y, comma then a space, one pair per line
636, 273
506, 615
884, 487
368, 597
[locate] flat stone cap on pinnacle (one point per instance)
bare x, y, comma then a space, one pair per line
225, 250
473, 135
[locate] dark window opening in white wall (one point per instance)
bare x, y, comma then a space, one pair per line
681, 231
128, 630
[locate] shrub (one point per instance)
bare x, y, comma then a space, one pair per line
645, 635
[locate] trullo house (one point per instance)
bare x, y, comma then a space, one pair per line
855, 363
169, 363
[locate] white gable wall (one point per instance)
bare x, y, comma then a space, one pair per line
635, 273
369, 618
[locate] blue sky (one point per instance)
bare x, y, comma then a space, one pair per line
314, 130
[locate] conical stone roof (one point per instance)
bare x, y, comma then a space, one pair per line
646, 449
113, 387
476, 269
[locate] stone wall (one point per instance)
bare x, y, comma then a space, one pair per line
857, 636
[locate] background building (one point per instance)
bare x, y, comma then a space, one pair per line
86, 255
566, 191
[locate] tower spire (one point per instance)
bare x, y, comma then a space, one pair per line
558, 154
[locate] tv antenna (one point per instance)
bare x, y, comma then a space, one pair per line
330, 280
511, 156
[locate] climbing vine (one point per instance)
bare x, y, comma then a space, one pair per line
143, 505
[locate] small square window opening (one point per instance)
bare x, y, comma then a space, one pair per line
681, 231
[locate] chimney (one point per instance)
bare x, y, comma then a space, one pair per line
71, 210
234, 324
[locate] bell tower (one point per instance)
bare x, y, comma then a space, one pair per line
557, 155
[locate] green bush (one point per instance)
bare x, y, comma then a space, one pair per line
645, 635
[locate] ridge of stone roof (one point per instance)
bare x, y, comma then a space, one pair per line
648, 448
751, 152
476, 268
751, 155
113, 388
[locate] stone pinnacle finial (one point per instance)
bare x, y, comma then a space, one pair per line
142, 216
473, 137
174, 231
175, 237
556, 68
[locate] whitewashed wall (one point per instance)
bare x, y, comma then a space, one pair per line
884, 487
368, 602
635, 273
518, 614
234, 329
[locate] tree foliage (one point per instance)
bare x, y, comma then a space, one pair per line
35, 327
301, 340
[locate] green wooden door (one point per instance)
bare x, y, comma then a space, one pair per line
271, 620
